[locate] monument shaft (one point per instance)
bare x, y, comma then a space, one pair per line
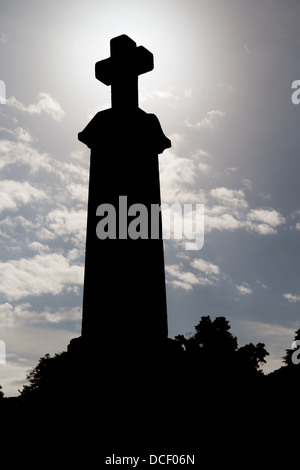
124, 286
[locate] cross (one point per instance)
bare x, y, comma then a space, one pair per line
121, 71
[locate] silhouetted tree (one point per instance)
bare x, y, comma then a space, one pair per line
213, 348
46, 377
251, 357
1, 392
211, 340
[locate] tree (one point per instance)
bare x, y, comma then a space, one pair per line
46, 376
215, 335
214, 349
212, 338
251, 357
1, 392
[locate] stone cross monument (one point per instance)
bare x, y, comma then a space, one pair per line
124, 300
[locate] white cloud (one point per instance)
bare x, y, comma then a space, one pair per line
262, 229
177, 177
244, 289
221, 222
188, 93
268, 216
22, 152
246, 49
177, 140
209, 121
3, 38
226, 86
225, 208
70, 224
232, 213
12, 316
206, 267
230, 197
264, 221
78, 192
39, 248
162, 94
14, 194
292, 297
45, 103
179, 276
247, 184
200, 153
23, 134
204, 168
233, 169
46, 274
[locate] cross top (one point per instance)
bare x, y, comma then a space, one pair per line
121, 71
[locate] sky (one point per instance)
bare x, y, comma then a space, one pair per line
222, 90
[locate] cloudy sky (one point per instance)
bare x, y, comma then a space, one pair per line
221, 88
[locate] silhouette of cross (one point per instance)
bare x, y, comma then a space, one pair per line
121, 71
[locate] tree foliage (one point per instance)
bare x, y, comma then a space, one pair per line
214, 347
46, 375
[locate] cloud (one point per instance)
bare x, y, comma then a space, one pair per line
262, 229
12, 316
68, 224
265, 221
209, 121
39, 248
221, 222
23, 134
268, 216
78, 192
225, 208
13, 194
246, 49
244, 289
231, 213
47, 274
230, 197
177, 177
226, 87
162, 94
45, 103
180, 276
20, 152
230, 170
188, 93
206, 267
204, 168
3, 38
292, 298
